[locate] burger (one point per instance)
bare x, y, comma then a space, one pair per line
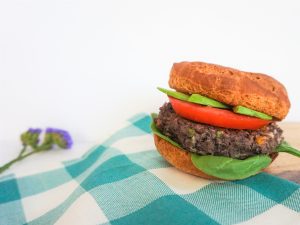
220, 123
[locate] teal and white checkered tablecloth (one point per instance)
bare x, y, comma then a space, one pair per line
125, 181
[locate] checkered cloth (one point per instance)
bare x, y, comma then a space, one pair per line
125, 181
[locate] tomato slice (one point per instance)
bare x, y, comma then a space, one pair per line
216, 117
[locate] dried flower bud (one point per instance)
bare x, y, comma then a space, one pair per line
31, 137
60, 137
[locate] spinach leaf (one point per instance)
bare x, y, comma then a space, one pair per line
285, 147
228, 168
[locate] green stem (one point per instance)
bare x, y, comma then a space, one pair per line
22, 151
7, 165
20, 157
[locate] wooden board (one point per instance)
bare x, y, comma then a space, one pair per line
286, 165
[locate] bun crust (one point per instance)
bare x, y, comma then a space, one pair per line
178, 158
182, 159
253, 90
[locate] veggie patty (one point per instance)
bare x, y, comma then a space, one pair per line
209, 140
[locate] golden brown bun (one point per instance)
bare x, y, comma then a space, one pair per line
178, 158
253, 90
182, 159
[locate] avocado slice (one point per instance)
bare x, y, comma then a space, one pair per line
174, 94
194, 98
200, 99
250, 112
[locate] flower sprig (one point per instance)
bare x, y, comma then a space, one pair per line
32, 144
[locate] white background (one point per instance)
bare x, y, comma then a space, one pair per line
85, 66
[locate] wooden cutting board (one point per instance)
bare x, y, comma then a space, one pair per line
288, 166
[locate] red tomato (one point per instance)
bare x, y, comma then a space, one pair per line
216, 117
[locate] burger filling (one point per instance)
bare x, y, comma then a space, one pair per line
204, 139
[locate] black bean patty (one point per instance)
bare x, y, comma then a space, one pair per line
209, 140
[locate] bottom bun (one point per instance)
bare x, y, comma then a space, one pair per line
182, 159
178, 158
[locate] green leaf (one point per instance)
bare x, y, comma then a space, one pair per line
285, 147
200, 99
228, 168
194, 98
220, 166
250, 112
158, 133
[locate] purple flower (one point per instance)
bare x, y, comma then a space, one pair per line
49, 130
34, 130
60, 137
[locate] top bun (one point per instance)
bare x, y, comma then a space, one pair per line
256, 91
